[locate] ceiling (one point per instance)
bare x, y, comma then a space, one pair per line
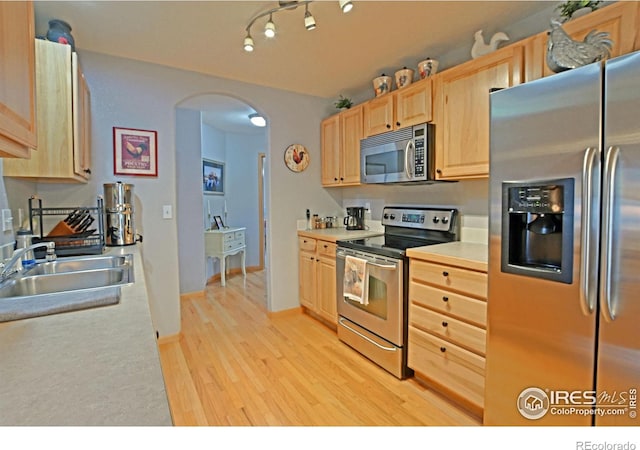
341, 56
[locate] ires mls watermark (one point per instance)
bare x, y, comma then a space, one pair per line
534, 403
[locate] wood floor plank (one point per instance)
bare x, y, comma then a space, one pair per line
234, 365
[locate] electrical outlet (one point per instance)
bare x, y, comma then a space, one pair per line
7, 220
166, 212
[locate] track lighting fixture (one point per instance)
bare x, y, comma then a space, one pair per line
287, 5
309, 21
257, 120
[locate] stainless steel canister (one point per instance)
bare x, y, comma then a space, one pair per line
118, 204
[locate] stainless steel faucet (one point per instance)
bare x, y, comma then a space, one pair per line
15, 265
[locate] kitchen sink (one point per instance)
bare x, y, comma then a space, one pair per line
67, 284
64, 265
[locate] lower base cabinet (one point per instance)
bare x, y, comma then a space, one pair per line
447, 330
317, 277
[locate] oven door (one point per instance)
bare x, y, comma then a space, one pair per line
384, 315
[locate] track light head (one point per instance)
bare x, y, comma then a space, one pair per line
270, 28
346, 5
248, 43
309, 21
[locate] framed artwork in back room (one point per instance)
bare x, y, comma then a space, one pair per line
135, 152
212, 177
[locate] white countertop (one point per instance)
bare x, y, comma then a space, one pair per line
92, 367
470, 255
338, 234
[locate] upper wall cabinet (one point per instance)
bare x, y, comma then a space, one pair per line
17, 80
461, 111
399, 109
340, 148
63, 119
619, 20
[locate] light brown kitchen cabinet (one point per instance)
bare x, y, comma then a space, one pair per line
17, 80
63, 120
340, 148
317, 277
461, 111
619, 19
447, 329
402, 108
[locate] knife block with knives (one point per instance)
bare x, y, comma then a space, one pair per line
75, 223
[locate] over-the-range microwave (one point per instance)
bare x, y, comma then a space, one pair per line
402, 156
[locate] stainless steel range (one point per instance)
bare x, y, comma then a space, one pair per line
373, 318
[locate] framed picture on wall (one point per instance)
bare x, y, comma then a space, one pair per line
135, 152
212, 177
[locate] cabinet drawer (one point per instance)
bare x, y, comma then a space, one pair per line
456, 305
307, 244
327, 248
228, 237
239, 235
448, 277
453, 330
230, 245
448, 365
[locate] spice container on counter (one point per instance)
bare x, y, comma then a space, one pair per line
315, 222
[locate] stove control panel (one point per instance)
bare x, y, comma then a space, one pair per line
439, 219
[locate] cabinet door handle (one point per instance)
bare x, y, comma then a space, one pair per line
445, 273
438, 171
445, 324
397, 124
388, 127
445, 299
443, 349
87, 171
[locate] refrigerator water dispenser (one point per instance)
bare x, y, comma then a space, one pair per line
537, 227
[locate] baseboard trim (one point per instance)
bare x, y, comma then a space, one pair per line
169, 339
284, 312
233, 271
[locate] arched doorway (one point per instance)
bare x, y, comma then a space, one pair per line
215, 128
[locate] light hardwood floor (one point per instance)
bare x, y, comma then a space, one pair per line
235, 365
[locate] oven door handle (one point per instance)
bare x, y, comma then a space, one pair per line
341, 321
381, 266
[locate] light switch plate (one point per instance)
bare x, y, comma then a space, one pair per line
167, 213
7, 220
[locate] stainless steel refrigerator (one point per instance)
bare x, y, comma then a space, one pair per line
563, 342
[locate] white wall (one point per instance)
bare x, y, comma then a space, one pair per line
189, 201
134, 94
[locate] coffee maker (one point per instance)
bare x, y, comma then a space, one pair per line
355, 218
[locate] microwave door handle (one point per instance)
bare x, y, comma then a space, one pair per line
410, 149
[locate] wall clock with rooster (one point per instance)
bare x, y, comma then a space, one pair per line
296, 157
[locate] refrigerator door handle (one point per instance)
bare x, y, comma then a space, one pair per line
609, 180
588, 249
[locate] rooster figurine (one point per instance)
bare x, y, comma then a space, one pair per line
480, 48
563, 53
